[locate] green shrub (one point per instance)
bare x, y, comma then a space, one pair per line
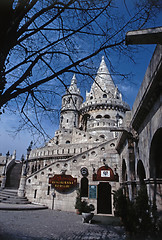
139, 217
82, 205
124, 209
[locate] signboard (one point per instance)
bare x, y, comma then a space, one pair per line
105, 173
84, 171
92, 191
63, 183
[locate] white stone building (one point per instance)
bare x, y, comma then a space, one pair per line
82, 151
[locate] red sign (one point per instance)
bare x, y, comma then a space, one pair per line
63, 182
105, 174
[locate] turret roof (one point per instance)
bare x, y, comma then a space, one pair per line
73, 87
103, 82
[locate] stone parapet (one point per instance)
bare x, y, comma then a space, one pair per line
149, 90
113, 104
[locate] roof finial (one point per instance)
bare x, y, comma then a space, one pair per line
103, 58
73, 80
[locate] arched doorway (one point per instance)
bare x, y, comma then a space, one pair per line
155, 167
156, 155
141, 172
124, 171
13, 176
84, 121
125, 178
104, 198
84, 187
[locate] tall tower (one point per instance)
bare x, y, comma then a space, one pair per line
104, 107
71, 102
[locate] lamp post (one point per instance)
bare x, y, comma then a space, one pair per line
27, 158
22, 185
5, 171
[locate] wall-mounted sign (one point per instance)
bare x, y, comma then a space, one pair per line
62, 183
105, 173
84, 171
92, 191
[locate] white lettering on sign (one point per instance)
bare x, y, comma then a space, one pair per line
105, 173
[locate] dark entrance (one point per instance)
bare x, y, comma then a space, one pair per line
13, 176
104, 198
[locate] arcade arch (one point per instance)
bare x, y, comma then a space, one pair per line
141, 172
156, 155
156, 168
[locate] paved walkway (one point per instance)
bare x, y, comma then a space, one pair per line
56, 225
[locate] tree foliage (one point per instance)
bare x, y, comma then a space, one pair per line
139, 216
42, 40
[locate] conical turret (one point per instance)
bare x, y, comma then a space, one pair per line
73, 87
103, 84
103, 106
71, 102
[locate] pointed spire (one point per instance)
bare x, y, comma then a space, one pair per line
73, 80
103, 83
73, 87
103, 68
14, 155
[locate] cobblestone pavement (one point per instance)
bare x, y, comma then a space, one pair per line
56, 225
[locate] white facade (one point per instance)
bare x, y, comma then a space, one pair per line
83, 140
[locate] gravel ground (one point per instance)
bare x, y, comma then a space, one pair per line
48, 225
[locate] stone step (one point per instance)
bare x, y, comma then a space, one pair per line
7, 193
10, 196
15, 201
16, 197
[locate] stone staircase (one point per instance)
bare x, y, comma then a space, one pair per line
9, 196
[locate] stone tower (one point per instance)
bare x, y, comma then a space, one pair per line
83, 147
103, 108
71, 101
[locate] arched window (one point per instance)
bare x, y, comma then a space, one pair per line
155, 155
91, 97
104, 95
98, 116
102, 136
67, 142
106, 116
84, 187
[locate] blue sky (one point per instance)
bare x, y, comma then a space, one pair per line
129, 88
10, 141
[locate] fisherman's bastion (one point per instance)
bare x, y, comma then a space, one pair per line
100, 145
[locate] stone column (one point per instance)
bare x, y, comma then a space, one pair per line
3, 183
5, 171
22, 186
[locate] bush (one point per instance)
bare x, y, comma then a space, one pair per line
78, 202
124, 209
87, 208
139, 217
83, 206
